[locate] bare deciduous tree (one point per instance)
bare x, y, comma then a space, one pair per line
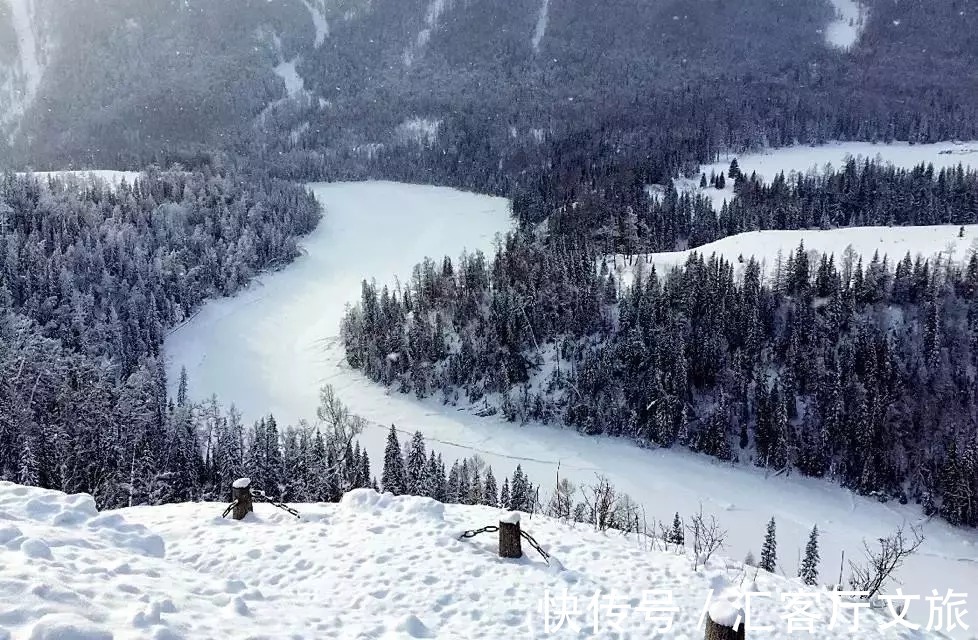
707, 537
880, 565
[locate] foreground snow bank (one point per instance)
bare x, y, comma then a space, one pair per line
372, 566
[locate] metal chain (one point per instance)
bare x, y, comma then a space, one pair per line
281, 505
473, 533
523, 534
228, 510
535, 545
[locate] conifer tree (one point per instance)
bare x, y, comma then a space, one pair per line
452, 486
505, 500
392, 476
809, 566
519, 491
769, 551
416, 460
490, 492
676, 536
364, 474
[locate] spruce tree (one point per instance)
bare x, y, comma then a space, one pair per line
416, 460
392, 476
809, 566
505, 500
452, 486
676, 536
519, 491
364, 474
769, 551
490, 493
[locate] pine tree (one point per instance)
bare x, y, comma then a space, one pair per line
364, 474
28, 471
452, 487
490, 493
416, 460
519, 492
676, 536
392, 476
182, 388
808, 571
769, 551
750, 560
505, 500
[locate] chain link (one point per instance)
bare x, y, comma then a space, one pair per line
228, 510
535, 545
281, 505
523, 534
473, 533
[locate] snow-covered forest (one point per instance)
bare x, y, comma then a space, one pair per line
860, 369
91, 279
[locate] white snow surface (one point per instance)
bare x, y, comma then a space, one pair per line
269, 349
432, 15
802, 159
294, 84
373, 566
21, 86
541, 29
850, 20
319, 21
772, 248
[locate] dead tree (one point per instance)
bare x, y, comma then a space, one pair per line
241, 495
510, 540
881, 564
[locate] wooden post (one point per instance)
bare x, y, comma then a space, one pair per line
717, 631
510, 542
241, 494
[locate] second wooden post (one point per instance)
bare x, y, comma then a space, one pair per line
510, 541
241, 495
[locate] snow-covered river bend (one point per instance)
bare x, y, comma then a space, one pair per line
269, 349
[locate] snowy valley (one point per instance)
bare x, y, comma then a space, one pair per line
280, 339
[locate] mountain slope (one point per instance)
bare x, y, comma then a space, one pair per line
126, 82
373, 566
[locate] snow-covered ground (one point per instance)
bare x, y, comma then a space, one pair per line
850, 20
801, 159
371, 567
23, 81
772, 248
541, 29
319, 21
271, 347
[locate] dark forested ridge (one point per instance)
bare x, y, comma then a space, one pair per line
91, 279
858, 369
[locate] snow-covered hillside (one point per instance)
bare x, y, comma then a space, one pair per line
801, 159
772, 248
20, 81
271, 347
850, 20
89, 177
372, 566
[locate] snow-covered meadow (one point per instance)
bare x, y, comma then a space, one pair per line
802, 159
371, 567
270, 348
771, 249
